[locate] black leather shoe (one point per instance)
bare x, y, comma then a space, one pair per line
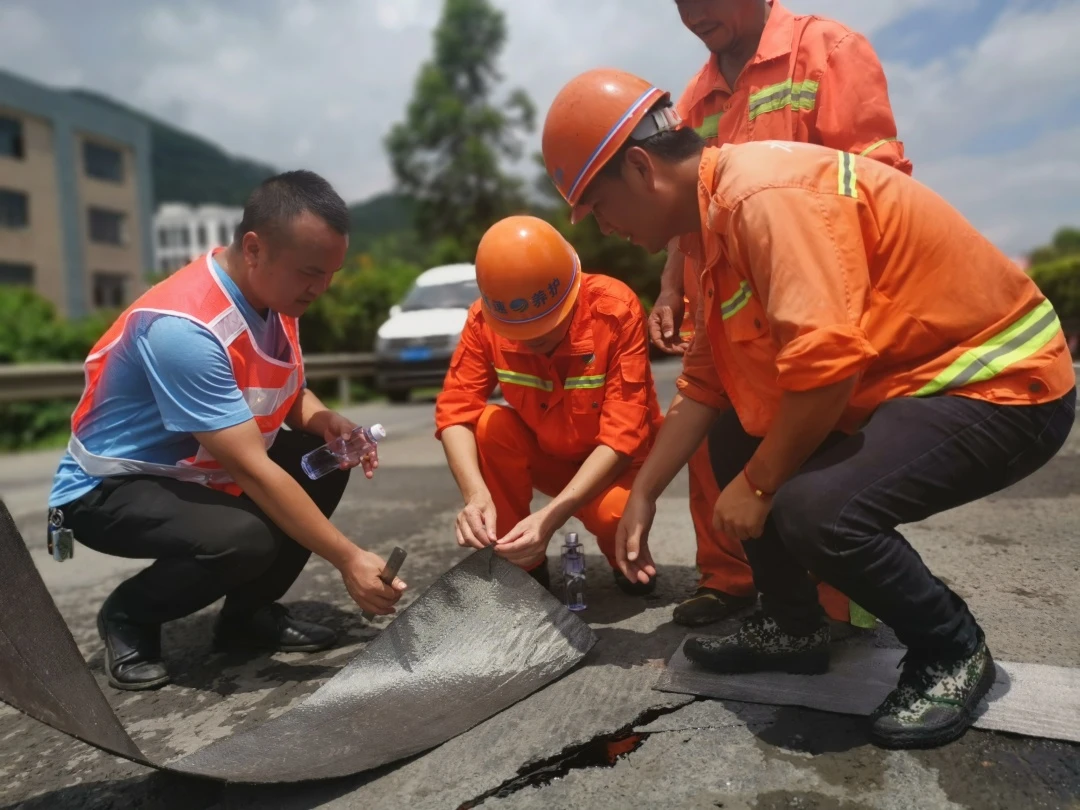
271, 628
132, 653
634, 588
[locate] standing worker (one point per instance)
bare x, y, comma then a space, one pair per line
177, 453
771, 75
868, 358
568, 349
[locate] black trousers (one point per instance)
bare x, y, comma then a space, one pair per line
837, 516
206, 544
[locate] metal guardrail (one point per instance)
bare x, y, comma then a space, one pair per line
31, 382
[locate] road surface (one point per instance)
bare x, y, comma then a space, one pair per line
601, 736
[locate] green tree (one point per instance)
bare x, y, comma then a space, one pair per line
447, 154
1066, 242
609, 255
347, 316
31, 332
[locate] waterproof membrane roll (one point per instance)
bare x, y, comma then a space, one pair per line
482, 637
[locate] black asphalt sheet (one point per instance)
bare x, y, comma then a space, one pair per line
481, 638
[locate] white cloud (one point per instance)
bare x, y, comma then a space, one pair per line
28, 45
1017, 198
1023, 70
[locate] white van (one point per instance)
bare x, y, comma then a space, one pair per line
413, 348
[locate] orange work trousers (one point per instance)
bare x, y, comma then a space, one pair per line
513, 466
721, 561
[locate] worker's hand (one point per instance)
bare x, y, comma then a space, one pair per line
664, 321
739, 513
528, 541
334, 426
360, 573
632, 553
475, 527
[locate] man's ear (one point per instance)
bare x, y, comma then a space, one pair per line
638, 169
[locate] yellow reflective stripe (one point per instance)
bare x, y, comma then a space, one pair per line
877, 145
797, 95
593, 381
1018, 341
737, 301
508, 377
845, 176
709, 127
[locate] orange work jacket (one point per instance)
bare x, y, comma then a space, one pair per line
820, 264
812, 80
595, 389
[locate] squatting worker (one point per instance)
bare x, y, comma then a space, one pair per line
770, 74
177, 452
872, 361
568, 350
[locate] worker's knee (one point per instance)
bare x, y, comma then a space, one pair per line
244, 547
501, 428
601, 517
805, 516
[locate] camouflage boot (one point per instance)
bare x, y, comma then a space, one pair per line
935, 700
761, 645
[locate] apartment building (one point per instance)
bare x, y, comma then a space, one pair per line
182, 232
75, 197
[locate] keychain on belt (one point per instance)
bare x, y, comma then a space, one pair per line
61, 541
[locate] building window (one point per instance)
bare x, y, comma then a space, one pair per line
110, 290
103, 162
17, 274
11, 138
14, 209
163, 237
106, 227
224, 237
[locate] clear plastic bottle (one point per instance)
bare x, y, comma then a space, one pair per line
329, 457
573, 568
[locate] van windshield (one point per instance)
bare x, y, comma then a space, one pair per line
458, 295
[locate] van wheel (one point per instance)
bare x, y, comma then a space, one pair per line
398, 395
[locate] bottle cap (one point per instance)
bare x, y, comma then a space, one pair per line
571, 539
378, 432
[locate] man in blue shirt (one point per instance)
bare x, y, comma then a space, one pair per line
177, 453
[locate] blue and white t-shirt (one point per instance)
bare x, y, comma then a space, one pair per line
166, 379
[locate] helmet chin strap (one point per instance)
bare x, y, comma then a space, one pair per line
660, 120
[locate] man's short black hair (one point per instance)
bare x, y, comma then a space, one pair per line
278, 200
671, 145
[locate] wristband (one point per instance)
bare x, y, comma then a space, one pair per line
758, 491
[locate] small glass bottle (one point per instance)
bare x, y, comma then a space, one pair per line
332, 455
573, 568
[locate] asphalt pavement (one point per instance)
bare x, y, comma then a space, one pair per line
601, 736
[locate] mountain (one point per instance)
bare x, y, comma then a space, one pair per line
381, 215
187, 168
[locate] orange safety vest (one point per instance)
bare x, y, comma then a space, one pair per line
821, 265
269, 386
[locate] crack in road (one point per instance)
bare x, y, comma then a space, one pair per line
602, 751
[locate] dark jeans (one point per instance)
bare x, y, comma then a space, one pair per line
837, 516
206, 543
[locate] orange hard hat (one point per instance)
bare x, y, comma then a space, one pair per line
528, 277
591, 118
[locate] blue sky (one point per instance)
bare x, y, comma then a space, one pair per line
986, 93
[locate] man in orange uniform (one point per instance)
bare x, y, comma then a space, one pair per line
870, 358
568, 349
771, 75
